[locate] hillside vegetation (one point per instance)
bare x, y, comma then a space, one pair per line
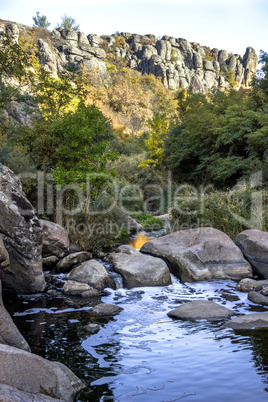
96, 147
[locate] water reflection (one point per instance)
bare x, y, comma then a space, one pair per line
139, 240
143, 355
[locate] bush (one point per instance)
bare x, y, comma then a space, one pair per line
147, 221
229, 211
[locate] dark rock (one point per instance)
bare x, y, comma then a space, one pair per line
200, 310
92, 328
249, 321
105, 310
70, 260
22, 235
200, 254
254, 245
55, 239
9, 333
258, 298
32, 374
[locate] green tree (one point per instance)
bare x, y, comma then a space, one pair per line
221, 138
41, 21
13, 70
158, 127
68, 23
71, 145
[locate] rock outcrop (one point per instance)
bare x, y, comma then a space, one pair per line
55, 239
31, 374
22, 236
254, 245
9, 334
178, 62
200, 254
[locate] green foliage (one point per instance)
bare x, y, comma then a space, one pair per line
41, 21
158, 127
13, 70
228, 211
148, 222
72, 145
68, 23
229, 76
219, 139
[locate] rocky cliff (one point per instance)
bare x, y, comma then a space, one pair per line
179, 63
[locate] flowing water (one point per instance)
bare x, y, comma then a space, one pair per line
143, 355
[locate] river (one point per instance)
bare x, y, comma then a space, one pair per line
143, 355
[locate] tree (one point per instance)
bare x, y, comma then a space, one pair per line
41, 21
221, 138
68, 23
158, 127
13, 70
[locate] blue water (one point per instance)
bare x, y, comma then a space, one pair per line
143, 355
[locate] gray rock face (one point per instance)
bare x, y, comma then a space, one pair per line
143, 270
200, 310
249, 321
55, 239
9, 334
72, 259
10, 394
254, 245
22, 235
200, 254
4, 257
32, 374
179, 63
92, 273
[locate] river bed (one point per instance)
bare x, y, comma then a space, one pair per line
143, 355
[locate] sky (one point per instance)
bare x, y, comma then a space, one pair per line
232, 25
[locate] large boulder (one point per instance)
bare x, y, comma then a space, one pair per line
249, 321
254, 245
9, 333
32, 374
10, 394
143, 270
55, 239
22, 235
93, 274
72, 259
200, 254
201, 310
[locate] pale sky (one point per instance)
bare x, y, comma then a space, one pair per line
232, 25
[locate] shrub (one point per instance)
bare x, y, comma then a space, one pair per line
148, 222
229, 211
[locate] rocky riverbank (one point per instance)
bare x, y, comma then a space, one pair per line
28, 246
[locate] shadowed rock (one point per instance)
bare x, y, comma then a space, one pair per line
32, 374
254, 245
22, 236
249, 321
